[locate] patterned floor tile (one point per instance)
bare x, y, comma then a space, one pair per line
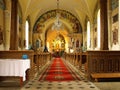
84, 84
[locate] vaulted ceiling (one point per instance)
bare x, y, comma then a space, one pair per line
80, 8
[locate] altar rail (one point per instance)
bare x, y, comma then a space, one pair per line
103, 64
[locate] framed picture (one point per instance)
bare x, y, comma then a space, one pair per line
115, 18
1, 35
115, 35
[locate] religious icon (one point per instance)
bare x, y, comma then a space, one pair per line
115, 36
77, 43
1, 35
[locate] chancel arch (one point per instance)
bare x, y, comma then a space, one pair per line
70, 25
64, 15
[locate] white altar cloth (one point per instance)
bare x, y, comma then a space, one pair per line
14, 67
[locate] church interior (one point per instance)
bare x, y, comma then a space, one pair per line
59, 44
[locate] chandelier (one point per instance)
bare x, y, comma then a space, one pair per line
57, 24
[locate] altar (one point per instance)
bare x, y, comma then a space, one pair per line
14, 67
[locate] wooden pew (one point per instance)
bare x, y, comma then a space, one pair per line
103, 64
40, 59
96, 76
77, 59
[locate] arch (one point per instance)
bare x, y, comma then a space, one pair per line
52, 34
65, 15
20, 13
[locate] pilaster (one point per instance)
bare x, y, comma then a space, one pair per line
14, 30
7, 19
104, 25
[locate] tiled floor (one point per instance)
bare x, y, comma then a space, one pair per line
84, 84
72, 85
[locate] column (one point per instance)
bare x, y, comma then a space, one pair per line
23, 35
30, 35
109, 25
14, 31
119, 26
84, 37
7, 19
92, 35
104, 25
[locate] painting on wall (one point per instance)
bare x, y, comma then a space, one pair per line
77, 43
115, 18
63, 15
114, 4
115, 36
95, 37
95, 42
1, 35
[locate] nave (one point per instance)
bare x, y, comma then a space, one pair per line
44, 79
69, 83
57, 74
37, 84
86, 34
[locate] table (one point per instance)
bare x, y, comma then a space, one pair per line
14, 67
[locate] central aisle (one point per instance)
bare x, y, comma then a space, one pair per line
59, 71
59, 74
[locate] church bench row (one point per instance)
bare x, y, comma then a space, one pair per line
34, 57
97, 62
97, 76
107, 62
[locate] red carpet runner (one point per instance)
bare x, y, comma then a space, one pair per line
59, 71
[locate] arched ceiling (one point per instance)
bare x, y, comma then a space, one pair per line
80, 8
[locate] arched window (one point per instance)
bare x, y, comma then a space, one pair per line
88, 35
98, 29
27, 34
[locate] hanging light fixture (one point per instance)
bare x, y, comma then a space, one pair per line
57, 24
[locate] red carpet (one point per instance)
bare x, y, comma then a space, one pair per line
58, 71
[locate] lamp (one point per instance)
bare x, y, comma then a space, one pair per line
57, 24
